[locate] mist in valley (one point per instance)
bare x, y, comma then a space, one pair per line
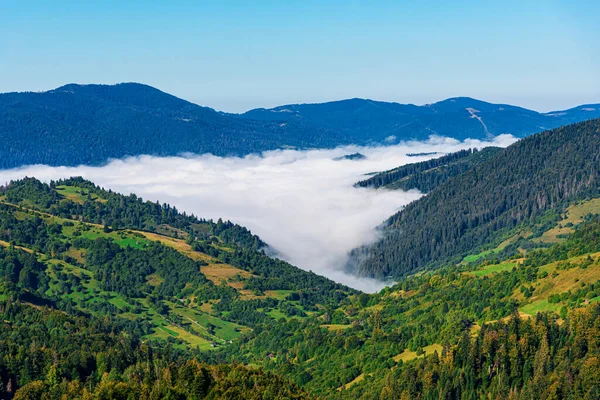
302, 203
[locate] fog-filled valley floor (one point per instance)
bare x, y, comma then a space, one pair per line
302, 203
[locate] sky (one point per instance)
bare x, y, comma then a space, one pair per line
302, 203
238, 55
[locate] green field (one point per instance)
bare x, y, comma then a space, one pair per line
499, 248
77, 195
224, 330
495, 268
336, 327
539, 306
408, 355
92, 232
277, 314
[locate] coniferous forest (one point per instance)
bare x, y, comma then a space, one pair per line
108, 296
526, 184
345, 222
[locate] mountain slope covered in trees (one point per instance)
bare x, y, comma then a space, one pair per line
427, 175
172, 276
459, 118
519, 324
108, 296
47, 354
521, 185
97, 286
89, 124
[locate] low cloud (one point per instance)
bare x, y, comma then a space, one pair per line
302, 203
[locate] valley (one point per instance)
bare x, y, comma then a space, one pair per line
204, 288
316, 200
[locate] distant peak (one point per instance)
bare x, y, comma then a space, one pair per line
97, 86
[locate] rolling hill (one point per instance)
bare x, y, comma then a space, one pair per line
460, 118
525, 185
108, 296
93, 282
89, 124
427, 175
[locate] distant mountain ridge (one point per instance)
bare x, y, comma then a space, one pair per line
89, 124
459, 117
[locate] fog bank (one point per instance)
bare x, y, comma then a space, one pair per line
302, 203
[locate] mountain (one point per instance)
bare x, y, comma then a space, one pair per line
460, 118
518, 327
106, 296
89, 124
527, 184
579, 113
97, 286
427, 175
151, 258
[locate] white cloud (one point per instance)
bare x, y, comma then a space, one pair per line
302, 203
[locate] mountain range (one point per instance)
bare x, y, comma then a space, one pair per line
460, 118
108, 296
89, 124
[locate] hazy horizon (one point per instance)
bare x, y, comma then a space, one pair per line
312, 102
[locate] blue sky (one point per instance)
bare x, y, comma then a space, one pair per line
237, 55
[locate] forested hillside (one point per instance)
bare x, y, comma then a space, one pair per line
88, 124
524, 186
520, 324
161, 277
107, 296
459, 118
427, 175
47, 354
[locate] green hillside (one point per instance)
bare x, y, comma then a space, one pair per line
509, 326
162, 277
119, 298
427, 175
524, 187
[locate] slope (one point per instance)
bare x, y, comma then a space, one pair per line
174, 278
427, 175
46, 353
88, 124
460, 117
533, 179
477, 329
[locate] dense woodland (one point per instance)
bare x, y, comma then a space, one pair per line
47, 354
484, 347
118, 211
469, 325
89, 124
521, 185
427, 175
51, 347
70, 246
105, 296
367, 120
